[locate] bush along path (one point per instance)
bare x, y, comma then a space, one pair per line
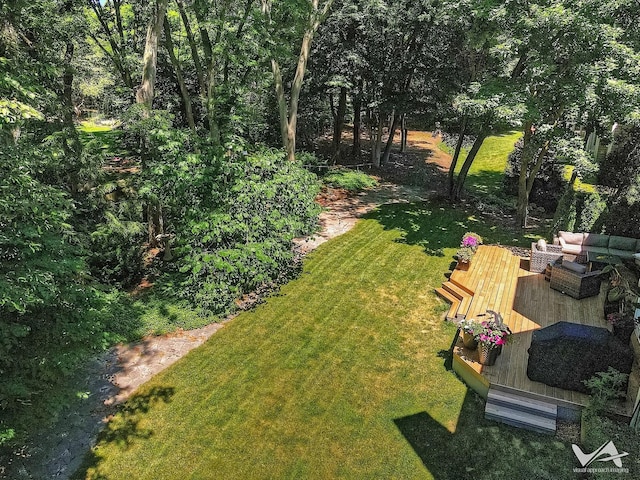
109, 379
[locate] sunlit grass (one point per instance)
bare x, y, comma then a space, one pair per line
341, 375
579, 185
487, 171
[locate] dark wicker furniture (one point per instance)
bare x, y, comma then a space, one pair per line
576, 285
540, 260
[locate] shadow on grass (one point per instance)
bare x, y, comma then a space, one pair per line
478, 448
124, 428
438, 225
486, 182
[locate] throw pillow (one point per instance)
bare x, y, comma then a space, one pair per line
542, 245
575, 267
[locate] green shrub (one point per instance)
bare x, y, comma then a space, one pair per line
591, 206
51, 313
234, 213
622, 218
117, 251
547, 186
352, 180
580, 211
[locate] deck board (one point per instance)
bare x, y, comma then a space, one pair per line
526, 303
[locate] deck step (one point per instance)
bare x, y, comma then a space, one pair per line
455, 290
463, 309
522, 412
463, 295
461, 286
525, 404
455, 303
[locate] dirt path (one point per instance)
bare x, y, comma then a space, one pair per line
113, 376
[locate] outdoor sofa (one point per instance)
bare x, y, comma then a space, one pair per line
581, 243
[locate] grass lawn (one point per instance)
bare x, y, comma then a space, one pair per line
340, 375
487, 172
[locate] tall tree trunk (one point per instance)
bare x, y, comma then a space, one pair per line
454, 160
338, 124
184, 92
116, 54
403, 133
357, 107
282, 103
377, 142
71, 141
144, 95
392, 133
296, 88
289, 117
535, 159
192, 46
462, 176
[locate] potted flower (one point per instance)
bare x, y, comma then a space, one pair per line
469, 329
468, 246
491, 336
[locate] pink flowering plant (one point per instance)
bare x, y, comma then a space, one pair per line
492, 333
468, 246
471, 239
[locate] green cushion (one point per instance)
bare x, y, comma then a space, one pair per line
596, 240
602, 250
622, 243
621, 253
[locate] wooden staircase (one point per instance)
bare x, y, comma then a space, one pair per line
460, 298
521, 411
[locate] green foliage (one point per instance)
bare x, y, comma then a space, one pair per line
352, 180
234, 213
591, 207
605, 387
548, 185
245, 240
117, 251
51, 314
620, 169
579, 211
622, 218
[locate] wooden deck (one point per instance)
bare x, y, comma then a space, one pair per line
526, 303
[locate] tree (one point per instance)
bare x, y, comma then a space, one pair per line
114, 31
312, 17
548, 57
144, 94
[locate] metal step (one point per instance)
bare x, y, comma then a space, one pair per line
524, 404
520, 419
522, 412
